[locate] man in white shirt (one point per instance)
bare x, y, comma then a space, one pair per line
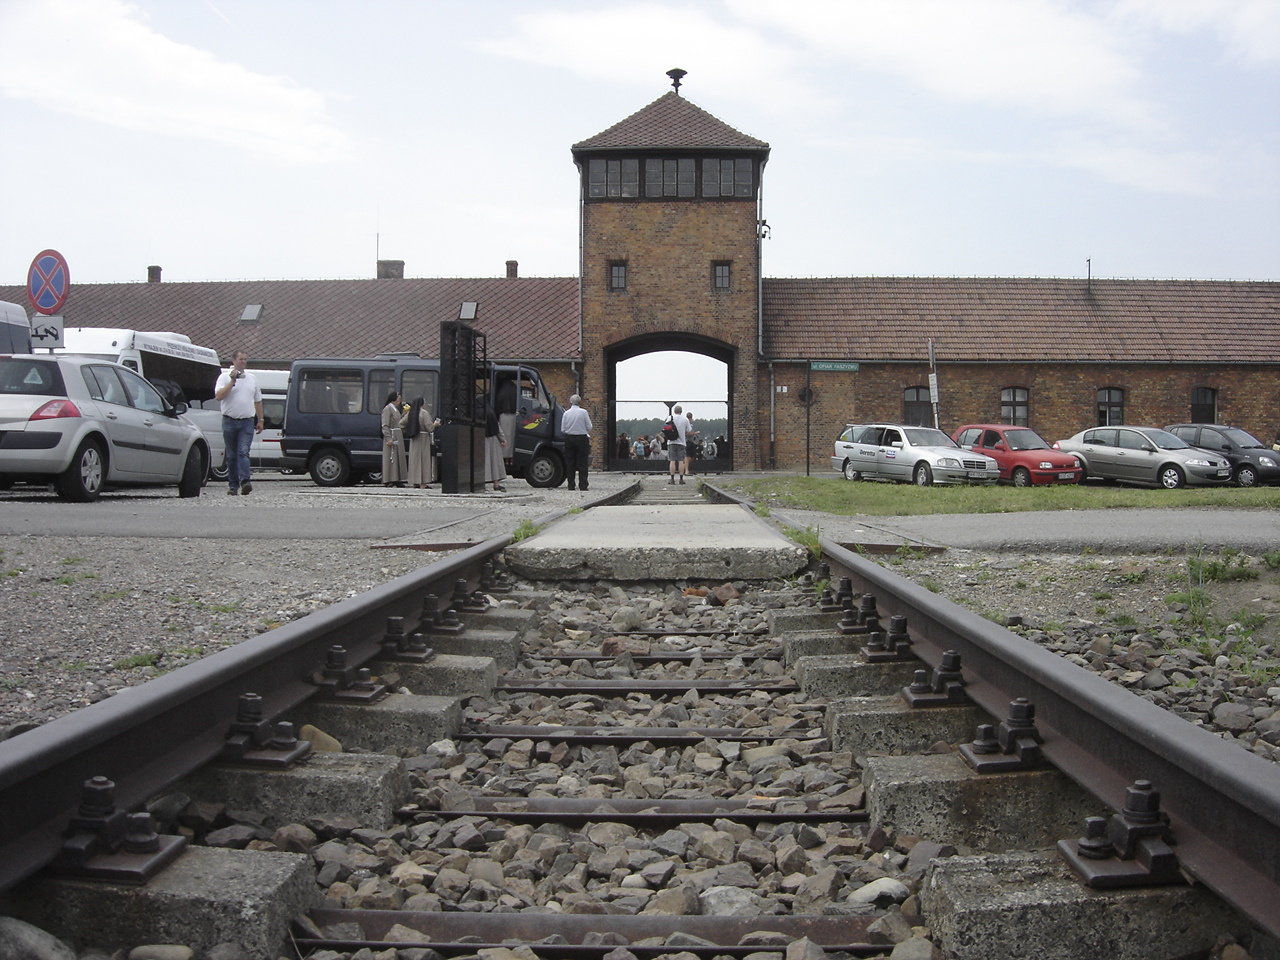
575, 424
240, 398
676, 447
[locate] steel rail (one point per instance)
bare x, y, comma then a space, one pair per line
1223, 801
147, 737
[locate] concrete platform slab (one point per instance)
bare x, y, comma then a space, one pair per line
695, 541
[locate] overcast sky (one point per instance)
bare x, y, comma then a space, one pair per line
228, 139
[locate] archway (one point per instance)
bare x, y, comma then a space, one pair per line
694, 371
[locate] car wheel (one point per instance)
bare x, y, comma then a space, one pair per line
371, 476
330, 468
1246, 475
1022, 477
193, 474
220, 471
923, 475
1171, 477
849, 472
83, 480
545, 470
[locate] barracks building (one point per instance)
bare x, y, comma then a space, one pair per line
671, 232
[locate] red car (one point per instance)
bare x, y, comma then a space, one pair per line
1024, 457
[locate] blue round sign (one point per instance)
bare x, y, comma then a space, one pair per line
48, 282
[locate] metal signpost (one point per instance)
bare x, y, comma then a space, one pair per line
48, 284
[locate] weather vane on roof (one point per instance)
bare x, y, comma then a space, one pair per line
676, 74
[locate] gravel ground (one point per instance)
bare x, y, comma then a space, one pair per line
84, 617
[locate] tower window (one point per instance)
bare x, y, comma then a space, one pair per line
721, 274
727, 178
617, 274
613, 178
670, 178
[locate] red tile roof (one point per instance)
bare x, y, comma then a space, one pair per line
522, 318
853, 318
670, 122
1005, 319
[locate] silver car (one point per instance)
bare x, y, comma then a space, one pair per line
83, 423
1145, 455
921, 455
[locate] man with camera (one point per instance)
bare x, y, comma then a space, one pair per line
240, 398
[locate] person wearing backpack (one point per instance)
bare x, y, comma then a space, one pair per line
676, 447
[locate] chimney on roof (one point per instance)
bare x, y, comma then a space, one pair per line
390, 269
513, 269
153, 274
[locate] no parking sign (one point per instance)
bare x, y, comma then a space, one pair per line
48, 282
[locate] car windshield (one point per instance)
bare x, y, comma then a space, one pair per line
928, 437
1165, 440
1024, 440
1242, 439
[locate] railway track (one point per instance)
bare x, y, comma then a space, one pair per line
700, 733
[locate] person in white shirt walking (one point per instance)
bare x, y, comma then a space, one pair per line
676, 447
240, 398
575, 423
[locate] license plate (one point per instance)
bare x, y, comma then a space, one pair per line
1066, 476
1224, 473
977, 475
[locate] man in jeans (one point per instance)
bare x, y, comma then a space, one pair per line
676, 448
240, 398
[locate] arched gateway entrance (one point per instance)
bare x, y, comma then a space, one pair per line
666, 391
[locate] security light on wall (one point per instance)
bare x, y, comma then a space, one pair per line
468, 310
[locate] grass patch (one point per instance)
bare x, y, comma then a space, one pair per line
525, 530
839, 496
137, 660
807, 538
1230, 565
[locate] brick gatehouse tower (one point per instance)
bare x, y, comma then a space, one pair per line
670, 260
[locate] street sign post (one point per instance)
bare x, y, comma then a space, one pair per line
48, 282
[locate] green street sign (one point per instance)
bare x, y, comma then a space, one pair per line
833, 366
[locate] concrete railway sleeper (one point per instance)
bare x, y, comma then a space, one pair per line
792, 774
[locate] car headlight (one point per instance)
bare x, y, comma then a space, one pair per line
1266, 462
1200, 463
1046, 465
951, 463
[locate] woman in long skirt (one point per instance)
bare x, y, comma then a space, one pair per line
393, 465
418, 426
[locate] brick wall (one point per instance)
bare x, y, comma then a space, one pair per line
1062, 399
669, 249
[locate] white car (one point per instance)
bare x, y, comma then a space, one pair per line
920, 455
84, 423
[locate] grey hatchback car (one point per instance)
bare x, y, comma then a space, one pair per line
1145, 455
83, 424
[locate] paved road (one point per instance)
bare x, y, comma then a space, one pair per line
294, 508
